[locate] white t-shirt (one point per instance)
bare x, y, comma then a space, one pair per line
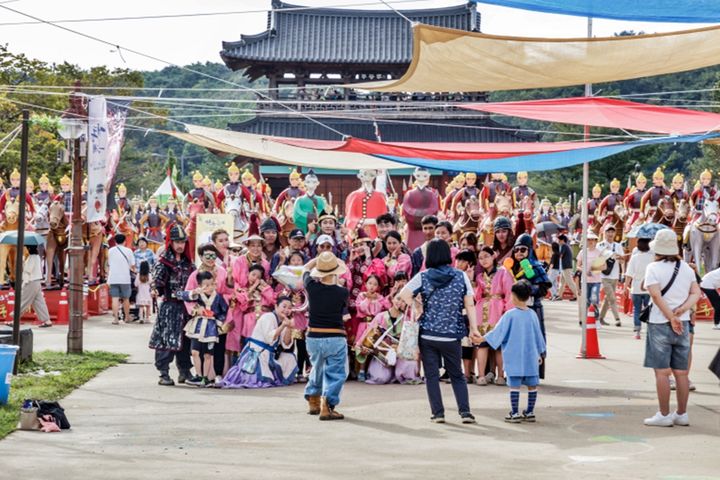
711, 280
119, 260
614, 247
660, 273
636, 269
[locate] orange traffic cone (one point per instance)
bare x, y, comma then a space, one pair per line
63, 316
592, 347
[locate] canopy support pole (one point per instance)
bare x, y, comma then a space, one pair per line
582, 301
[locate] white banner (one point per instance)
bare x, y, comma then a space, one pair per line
97, 159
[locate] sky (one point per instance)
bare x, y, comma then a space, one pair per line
198, 39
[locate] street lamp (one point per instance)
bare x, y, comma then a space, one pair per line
73, 128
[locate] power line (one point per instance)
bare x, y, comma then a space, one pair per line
206, 14
157, 59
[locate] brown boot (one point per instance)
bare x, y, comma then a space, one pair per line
313, 405
327, 412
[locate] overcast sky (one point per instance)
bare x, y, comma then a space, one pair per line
187, 40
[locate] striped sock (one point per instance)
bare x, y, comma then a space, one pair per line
532, 397
514, 400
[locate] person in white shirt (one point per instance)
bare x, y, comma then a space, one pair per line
593, 276
121, 262
611, 249
667, 347
32, 293
710, 285
642, 256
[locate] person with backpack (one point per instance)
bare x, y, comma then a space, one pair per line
674, 291
444, 294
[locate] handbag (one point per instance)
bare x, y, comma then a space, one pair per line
408, 348
645, 312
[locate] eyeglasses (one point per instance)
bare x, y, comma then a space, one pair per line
325, 246
210, 255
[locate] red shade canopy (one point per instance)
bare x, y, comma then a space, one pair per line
439, 151
607, 112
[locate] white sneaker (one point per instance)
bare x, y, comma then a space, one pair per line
660, 420
672, 383
682, 420
489, 377
716, 327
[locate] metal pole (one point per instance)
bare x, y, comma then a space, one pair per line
20, 246
582, 301
75, 252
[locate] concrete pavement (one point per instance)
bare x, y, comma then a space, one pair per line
589, 425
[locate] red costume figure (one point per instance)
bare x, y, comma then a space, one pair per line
291, 193
455, 186
252, 195
198, 200
418, 202
231, 188
12, 194
611, 200
522, 191
491, 189
469, 190
364, 205
651, 198
633, 202
678, 192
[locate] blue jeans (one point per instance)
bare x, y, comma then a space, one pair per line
593, 296
640, 301
328, 356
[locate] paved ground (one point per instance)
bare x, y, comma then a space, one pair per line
589, 423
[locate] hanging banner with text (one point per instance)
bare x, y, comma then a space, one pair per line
97, 156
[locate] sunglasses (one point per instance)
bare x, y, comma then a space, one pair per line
210, 255
521, 249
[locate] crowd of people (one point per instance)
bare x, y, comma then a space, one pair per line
373, 311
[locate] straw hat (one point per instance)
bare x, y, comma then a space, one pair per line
327, 264
249, 239
665, 243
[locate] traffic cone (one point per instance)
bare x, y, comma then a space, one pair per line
592, 347
63, 316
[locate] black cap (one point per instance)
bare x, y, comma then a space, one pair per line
296, 233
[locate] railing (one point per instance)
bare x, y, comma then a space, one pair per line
385, 101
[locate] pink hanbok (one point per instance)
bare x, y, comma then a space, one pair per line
492, 296
366, 309
248, 308
378, 373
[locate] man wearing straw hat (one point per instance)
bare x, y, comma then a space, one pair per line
326, 342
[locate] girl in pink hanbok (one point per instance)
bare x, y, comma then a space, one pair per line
248, 304
492, 299
396, 260
369, 303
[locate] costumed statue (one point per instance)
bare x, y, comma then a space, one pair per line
592, 207
252, 195
217, 188
546, 213
651, 198
419, 201
522, 190
43, 199
565, 215
198, 200
307, 208
678, 192
138, 211
633, 202
457, 183
123, 204
491, 189
152, 225
232, 188
291, 193
611, 200
469, 190
11, 196
364, 205
65, 195
174, 214
699, 195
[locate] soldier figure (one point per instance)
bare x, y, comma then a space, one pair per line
611, 200
699, 195
633, 201
291, 193
651, 198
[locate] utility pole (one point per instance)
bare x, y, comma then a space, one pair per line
21, 232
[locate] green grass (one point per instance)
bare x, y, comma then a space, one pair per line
74, 370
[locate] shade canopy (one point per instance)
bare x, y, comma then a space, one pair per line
607, 112
682, 11
447, 60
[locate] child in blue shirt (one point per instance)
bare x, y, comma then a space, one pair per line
519, 337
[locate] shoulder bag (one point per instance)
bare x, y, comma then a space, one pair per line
645, 312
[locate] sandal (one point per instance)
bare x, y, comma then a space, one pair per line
45, 325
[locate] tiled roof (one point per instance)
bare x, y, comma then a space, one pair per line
340, 36
417, 131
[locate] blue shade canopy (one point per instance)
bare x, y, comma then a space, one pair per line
675, 11
543, 161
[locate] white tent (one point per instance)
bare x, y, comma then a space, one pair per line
164, 191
